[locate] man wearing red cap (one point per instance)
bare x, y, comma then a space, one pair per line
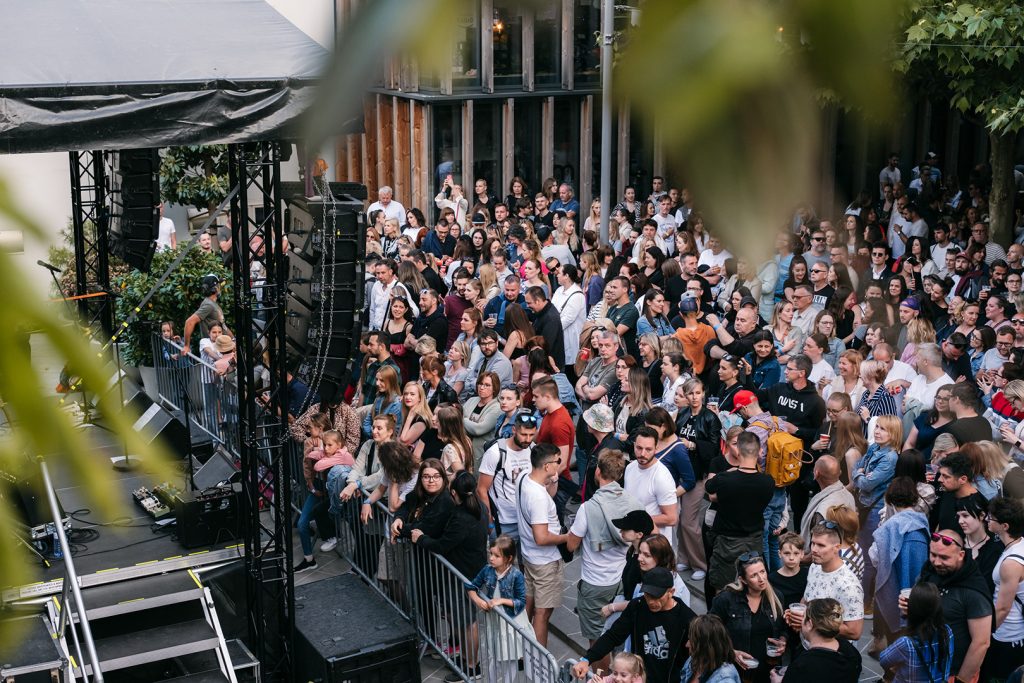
761, 423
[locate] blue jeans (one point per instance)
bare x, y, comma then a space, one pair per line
315, 507
772, 518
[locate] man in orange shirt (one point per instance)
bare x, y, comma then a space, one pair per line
694, 335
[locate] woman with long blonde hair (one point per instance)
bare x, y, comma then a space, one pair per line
848, 442
417, 417
593, 221
489, 281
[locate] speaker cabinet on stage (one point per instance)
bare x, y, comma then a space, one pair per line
382, 649
325, 284
129, 394
157, 423
135, 192
208, 517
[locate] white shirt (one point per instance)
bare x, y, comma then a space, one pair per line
380, 300
939, 254
537, 507
560, 252
924, 391
571, 305
841, 585
819, 370
658, 242
900, 372
503, 487
652, 487
600, 567
392, 210
708, 257
667, 226
166, 230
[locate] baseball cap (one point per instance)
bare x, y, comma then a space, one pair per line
479, 219
911, 303
688, 304
635, 520
657, 582
743, 398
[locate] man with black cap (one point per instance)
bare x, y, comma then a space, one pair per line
656, 624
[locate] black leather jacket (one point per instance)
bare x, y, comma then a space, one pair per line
705, 430
444, 394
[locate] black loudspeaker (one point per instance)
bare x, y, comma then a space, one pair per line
219, 469
382, 649
227, 585
135, 193
208, 517
158, 423
325, 284
129, 395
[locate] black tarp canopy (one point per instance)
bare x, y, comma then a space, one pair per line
118, 74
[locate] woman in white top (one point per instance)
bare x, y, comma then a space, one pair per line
848, 380
1006, 520
822, 373
456, 201
571, 304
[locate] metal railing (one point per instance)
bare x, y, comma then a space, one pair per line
206, 395
432, 594
72, 592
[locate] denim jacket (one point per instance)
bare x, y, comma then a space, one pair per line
872, 474
767, 374
513, 587
726, 673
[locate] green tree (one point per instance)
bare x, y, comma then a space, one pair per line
974, 51
195, 175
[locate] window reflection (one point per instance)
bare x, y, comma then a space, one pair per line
447, 143
487, 144
547, 28
507, 32
586, 53
466, 58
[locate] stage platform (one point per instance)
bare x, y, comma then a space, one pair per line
126, 546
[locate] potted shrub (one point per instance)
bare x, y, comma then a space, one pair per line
176, 299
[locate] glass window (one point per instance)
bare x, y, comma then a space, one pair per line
526, 161
466, 60
486, 145
547, 39
447, 144
586, 53
507, 32
567, 141
641, 157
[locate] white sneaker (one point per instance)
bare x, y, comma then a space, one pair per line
682, 567
699, 575
329, 545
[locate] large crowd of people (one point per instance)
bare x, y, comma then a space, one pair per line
825, 442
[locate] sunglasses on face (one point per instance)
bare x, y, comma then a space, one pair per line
947, 540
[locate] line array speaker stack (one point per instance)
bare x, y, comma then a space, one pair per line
327, 248
135, 198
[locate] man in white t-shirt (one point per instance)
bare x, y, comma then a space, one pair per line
386, 203
667, 223
652, 485
830, 577
166, 237
500, 468
931, 376
539, 536
604, 550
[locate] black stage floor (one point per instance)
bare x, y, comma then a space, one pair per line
124, 544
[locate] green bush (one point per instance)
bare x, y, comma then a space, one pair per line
176, 299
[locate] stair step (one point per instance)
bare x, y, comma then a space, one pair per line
203, 677
155, 644
140, 594
35, 650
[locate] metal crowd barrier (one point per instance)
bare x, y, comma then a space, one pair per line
193, 386
432, 594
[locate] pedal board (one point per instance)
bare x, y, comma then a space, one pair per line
150, 503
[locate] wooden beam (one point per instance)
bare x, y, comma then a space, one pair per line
568, 49
508, 145
586, 174
355, 158
529, 63
547, 140
622, 168
486, 46
421, 191
386, 142
371, 149
403, 151
467, 148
